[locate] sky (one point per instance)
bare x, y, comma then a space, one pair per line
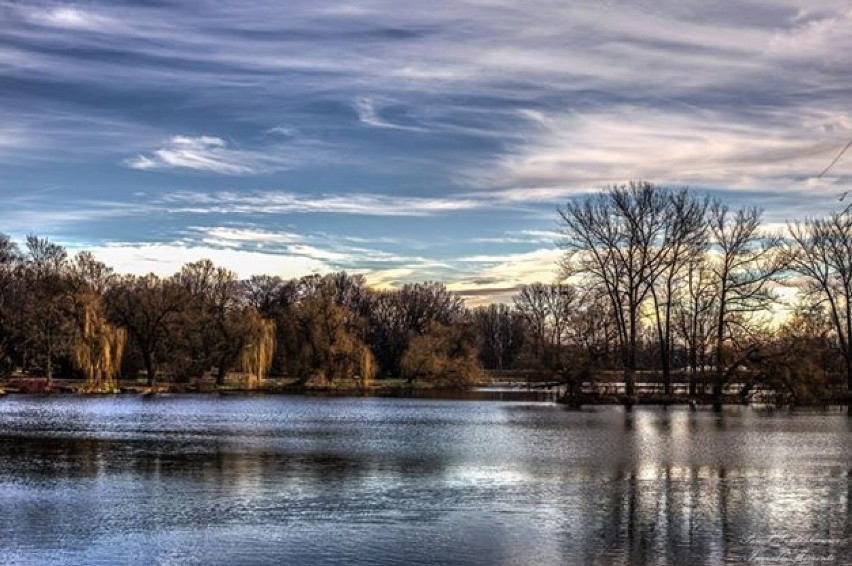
404, 140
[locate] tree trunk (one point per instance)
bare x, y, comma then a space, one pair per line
220, 375
693, 363
148, 362
630, 370
718, 380
49, 361
848, 374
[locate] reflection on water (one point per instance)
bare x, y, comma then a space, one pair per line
300, 480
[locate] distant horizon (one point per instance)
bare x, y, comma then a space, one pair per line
404, 142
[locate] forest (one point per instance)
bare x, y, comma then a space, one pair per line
658, 285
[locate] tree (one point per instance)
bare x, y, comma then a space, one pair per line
502, 335
96, 345
821, 251
395, 317
748, 261
10, 297
148, 308
444, 354
331, 348
47, 317
258, 346
547, 310
695, 315
614, 240
684, 242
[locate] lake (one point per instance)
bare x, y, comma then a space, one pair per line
305, 480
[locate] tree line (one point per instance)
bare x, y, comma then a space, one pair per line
655, 282
74, 317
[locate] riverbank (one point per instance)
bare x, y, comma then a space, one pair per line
500, 390
39, 385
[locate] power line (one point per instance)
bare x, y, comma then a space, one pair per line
835, 160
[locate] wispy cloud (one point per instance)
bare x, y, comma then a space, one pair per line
167, 258
371, 120
71, 18
574, 152
282, 202
213, 154
368, 114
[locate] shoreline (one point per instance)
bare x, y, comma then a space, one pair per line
482, 391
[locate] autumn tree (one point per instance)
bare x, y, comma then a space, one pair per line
97, 346
331, 347
444, 354
397, 316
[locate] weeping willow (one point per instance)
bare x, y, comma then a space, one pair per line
368, 366
98, 347
256, 356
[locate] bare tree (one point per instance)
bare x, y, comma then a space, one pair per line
501, 333
748, 261
148, 307
47, 321
695, 315
614, 239
821, 251
684, 242
547, 310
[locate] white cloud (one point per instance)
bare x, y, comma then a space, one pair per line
574, 152
490, 278
239, 237
206, 153
368, 114
72, 18
281, 202
165, 259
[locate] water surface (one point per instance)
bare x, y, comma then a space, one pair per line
311, 480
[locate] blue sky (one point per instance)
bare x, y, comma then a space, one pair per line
405, 140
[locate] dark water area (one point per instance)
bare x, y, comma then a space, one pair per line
311, 480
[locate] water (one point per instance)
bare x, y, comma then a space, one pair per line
310, 480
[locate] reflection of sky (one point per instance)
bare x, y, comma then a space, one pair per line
407, 142
189, 479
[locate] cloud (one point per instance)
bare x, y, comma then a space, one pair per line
369, 115
334, 251
574, 152
477, 279
282, 202
167, 258
212, 154
525, 106
71, 18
